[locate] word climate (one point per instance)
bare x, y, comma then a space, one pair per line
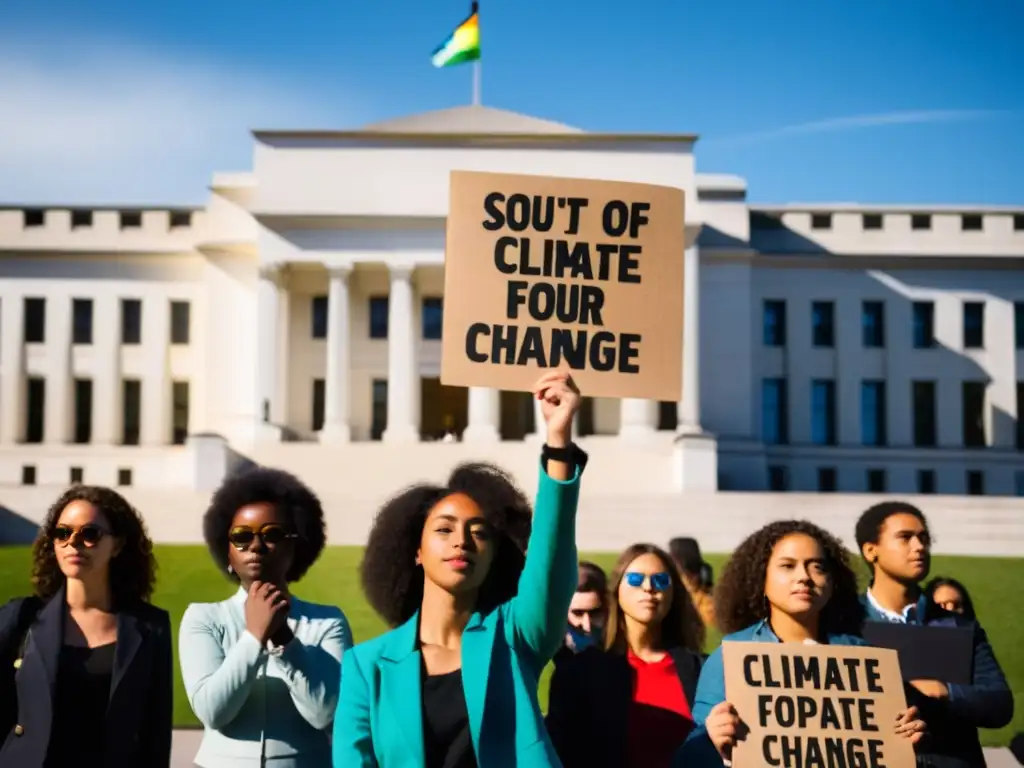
558, 281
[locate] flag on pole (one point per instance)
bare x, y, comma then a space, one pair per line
463, 44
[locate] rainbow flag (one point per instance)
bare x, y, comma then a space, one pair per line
463, 44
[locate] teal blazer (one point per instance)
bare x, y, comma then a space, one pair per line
379, 721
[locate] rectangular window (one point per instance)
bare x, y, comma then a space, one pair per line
971, 222
972, 394
131, 411
433, 313
774, 322
318, 314
778, 479
76, 476
83, 411
28, 475
1018, 325
35, 321
181, 321
920, 221
922, 395
821, 221
823, 333
924, 324
926, 481
974, 325
124, 477
876, 481
668, 416
827, 479
319, 404
81, 321
180, 412
775, 411
823, 412
975, 482
379, 419
873, 324
378, 317
872, 221
35, 407
873, 413
131, 321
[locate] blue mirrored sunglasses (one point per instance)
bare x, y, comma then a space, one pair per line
659, 581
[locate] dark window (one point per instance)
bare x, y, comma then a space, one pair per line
319, 403
876, 481
81, 219
379, 409
131, 321
433, 311
823, 316
821, 221
35, 417
872, 221
28, 475
318, 312
972, 395
778, 479
1018, 222
668, 416
923, 403
920, 221
180, 219
33, 217
83, 411
378, 317
775, 411
873, 413
975, 482
77, 475
180, 412
823, 412
35, 321
124, 477
1020, 415
774, 323
873, 324
827, 479
926, 481
974, 325
132, 411
1018, 324
924, 324
131, 219
971, 222
181, 321
81, 321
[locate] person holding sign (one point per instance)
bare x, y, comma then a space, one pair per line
476, 618
789, 582
632, 705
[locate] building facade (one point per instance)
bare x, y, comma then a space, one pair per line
827, 348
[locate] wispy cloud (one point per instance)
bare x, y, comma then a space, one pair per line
839, 124
116, 124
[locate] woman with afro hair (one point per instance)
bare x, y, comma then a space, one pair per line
261, 669
789, 582
477, 596
87, 670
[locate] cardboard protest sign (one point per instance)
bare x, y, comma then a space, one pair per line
544, 272
816, 706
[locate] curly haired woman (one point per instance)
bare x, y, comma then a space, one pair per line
478, 597
261, 669
789, 582
87, 666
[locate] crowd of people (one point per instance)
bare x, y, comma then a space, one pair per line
481, 591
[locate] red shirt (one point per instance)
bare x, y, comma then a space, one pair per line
659, 714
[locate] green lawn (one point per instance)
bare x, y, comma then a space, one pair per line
187, 575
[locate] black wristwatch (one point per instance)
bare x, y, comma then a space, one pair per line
572, 455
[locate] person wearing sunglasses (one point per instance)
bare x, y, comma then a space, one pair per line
87, 664
631, 705
789, 582
262, 668
478, 612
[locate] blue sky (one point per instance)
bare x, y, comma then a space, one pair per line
117, 101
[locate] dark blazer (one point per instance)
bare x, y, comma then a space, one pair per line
138, 721
953, 723
588, 705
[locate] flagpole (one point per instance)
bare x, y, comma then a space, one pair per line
476, 83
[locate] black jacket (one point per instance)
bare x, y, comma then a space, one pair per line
137, 731
588, 706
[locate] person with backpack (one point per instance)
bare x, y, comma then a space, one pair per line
86, 676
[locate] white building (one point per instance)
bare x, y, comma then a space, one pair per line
838, 347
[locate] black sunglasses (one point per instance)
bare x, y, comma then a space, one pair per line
242, 537
89, 534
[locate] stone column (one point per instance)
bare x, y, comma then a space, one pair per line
403, 373
266, 407
336, 427
107, 390
638, 420
484, 416
689, 406
155, 426
57, 427
12, 369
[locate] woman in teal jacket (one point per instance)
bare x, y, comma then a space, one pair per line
789, 582
454, 685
